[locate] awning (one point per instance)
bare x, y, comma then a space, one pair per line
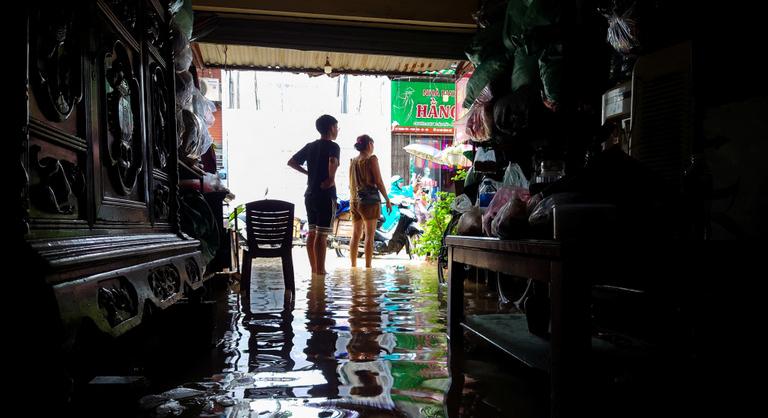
280, 59
363, 37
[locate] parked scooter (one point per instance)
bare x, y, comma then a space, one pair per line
405, 232
395, 230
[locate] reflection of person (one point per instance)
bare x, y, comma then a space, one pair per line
322, 158
369, 385
366, 372
364, 318
321, 344
364, 174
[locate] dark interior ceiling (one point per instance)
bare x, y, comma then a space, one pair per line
418, 30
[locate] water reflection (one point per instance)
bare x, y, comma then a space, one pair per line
321, 337
354, 343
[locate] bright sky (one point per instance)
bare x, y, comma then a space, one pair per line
259, 142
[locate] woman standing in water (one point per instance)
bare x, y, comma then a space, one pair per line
365, 184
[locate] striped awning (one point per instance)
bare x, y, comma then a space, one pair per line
279, 59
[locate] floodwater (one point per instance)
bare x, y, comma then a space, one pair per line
353, 343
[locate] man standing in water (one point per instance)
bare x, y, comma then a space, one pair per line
322, 158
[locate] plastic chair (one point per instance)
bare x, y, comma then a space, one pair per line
269, 226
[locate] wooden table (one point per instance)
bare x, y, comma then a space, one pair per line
563, 268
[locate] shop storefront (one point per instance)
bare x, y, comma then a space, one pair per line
423, 112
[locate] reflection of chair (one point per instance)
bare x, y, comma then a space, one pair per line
269, 224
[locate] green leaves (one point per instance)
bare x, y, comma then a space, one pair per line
430, 243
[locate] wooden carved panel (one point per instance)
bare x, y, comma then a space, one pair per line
162, 198
55, 69
193, 270
57, 184
158, 119
164, 282
117, 300
155, 30
126, 11
124, 154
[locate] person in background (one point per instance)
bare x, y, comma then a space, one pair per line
322, 158
364, 174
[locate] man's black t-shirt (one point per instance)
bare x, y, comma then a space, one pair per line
316, 155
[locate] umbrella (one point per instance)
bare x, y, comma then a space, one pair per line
424, 151
454, 156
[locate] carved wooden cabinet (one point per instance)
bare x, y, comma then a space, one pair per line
99, 149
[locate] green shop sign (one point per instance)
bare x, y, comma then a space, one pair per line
422, 107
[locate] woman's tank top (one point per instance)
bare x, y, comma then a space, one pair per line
360, 175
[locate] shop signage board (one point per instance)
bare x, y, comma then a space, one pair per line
423, 107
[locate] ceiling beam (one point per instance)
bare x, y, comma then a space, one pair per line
425, 13
245, 30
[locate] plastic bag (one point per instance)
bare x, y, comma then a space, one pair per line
183, 18
174, 6
525, 70
511, 222
501, 197
512, 113
485, 160
533, 202
623, 31
472, 177
461, 204
524, 19
205, 142
203, 107
487, 42
479, 122
185, 89
471, 223
504, 195
484, 74
191, 141
480, 117
550, 71
183, 59
542, 213
460, 129
513, 176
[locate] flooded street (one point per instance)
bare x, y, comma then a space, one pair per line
353, 343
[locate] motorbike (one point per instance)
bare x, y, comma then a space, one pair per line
405, 232
394, 230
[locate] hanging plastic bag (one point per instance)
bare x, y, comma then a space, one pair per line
488, 71
551, 73
191, 141
460, 129
461, 204
207, 107
203, 107
485, 160
472, 177
183, 59
513, 176
185, 89
623, 30
480, 117
479, 123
